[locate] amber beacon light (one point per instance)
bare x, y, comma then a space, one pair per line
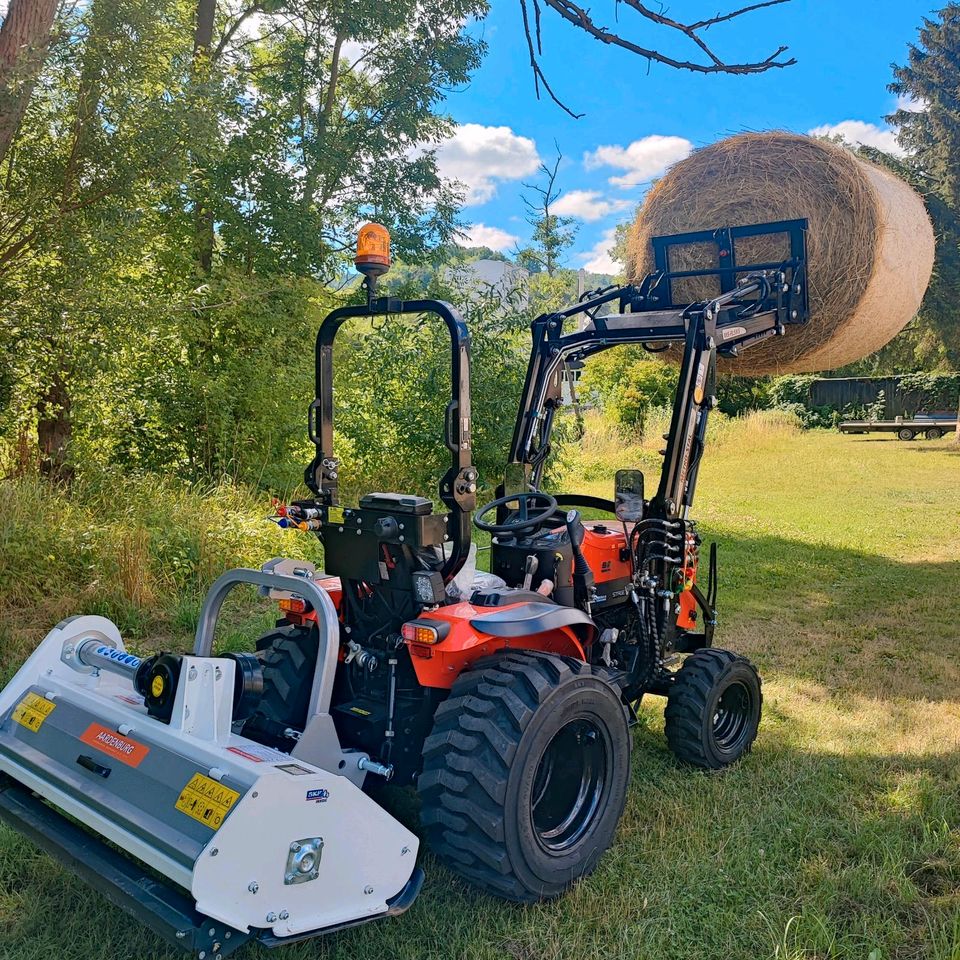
373, 250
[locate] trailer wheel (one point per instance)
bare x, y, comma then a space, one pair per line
934, 433
713, 709
905, 434
525, 774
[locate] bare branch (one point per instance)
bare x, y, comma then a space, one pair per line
702, 24
538, 76
712, 63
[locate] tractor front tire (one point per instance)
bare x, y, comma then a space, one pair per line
713, 709
525, 774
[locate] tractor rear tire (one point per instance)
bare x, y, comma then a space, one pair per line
288, 656
525, 774
713, 709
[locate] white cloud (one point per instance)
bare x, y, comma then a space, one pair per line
479, 156
598, 259
858, 131
480, 235
910, 104
588, 205
643, 159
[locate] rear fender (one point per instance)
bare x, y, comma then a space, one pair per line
438, 665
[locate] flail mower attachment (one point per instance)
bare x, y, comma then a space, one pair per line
251, 842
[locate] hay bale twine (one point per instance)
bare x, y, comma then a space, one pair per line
870, 244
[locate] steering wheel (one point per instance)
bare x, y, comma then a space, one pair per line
521, 519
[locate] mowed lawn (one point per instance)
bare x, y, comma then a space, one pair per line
839, 836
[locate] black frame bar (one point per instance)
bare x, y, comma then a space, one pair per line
458, 485
725, 239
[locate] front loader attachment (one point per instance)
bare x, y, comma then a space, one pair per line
214, 839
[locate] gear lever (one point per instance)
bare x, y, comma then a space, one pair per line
582, 574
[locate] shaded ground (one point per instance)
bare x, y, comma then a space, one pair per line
838, 837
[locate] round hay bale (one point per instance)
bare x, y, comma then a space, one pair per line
870, 244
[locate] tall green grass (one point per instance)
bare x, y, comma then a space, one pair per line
134, 548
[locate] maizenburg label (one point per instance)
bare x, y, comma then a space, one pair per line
130, 752
32, 710
206, 800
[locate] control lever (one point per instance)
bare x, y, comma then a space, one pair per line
582, 574
529, 569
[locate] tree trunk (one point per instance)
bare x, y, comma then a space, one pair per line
24, 39
54, 430
203, 208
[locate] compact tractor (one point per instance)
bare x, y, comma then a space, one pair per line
227, 797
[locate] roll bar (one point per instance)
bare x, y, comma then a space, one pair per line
458, 485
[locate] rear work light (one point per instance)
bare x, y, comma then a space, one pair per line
425, 631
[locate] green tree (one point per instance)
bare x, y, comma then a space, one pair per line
552, 233
181, 169
929, 128
82, 244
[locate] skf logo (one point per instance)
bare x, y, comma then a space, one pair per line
320, 795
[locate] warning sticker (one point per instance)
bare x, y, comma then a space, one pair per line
32, 710
206, 800
257, 753
334, 514
111, 743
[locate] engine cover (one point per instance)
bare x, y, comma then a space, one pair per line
604, 548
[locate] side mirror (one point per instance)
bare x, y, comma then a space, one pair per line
628, 495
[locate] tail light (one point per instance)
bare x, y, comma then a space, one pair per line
425, 631
293, 605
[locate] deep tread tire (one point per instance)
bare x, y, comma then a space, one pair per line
288, 656
481, 760
692, 707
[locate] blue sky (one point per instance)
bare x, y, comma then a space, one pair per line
637, 122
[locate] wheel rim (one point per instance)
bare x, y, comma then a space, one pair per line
732, 717
569, 785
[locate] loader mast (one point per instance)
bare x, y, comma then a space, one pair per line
756, 301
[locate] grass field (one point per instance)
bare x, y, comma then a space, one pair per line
838, 837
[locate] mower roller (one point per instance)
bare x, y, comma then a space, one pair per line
228, 798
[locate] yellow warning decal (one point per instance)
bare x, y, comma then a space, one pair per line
32, 710
206, 800
334, 514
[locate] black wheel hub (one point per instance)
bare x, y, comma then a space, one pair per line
568, 785
731, 719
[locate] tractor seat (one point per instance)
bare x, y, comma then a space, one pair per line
534, 617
